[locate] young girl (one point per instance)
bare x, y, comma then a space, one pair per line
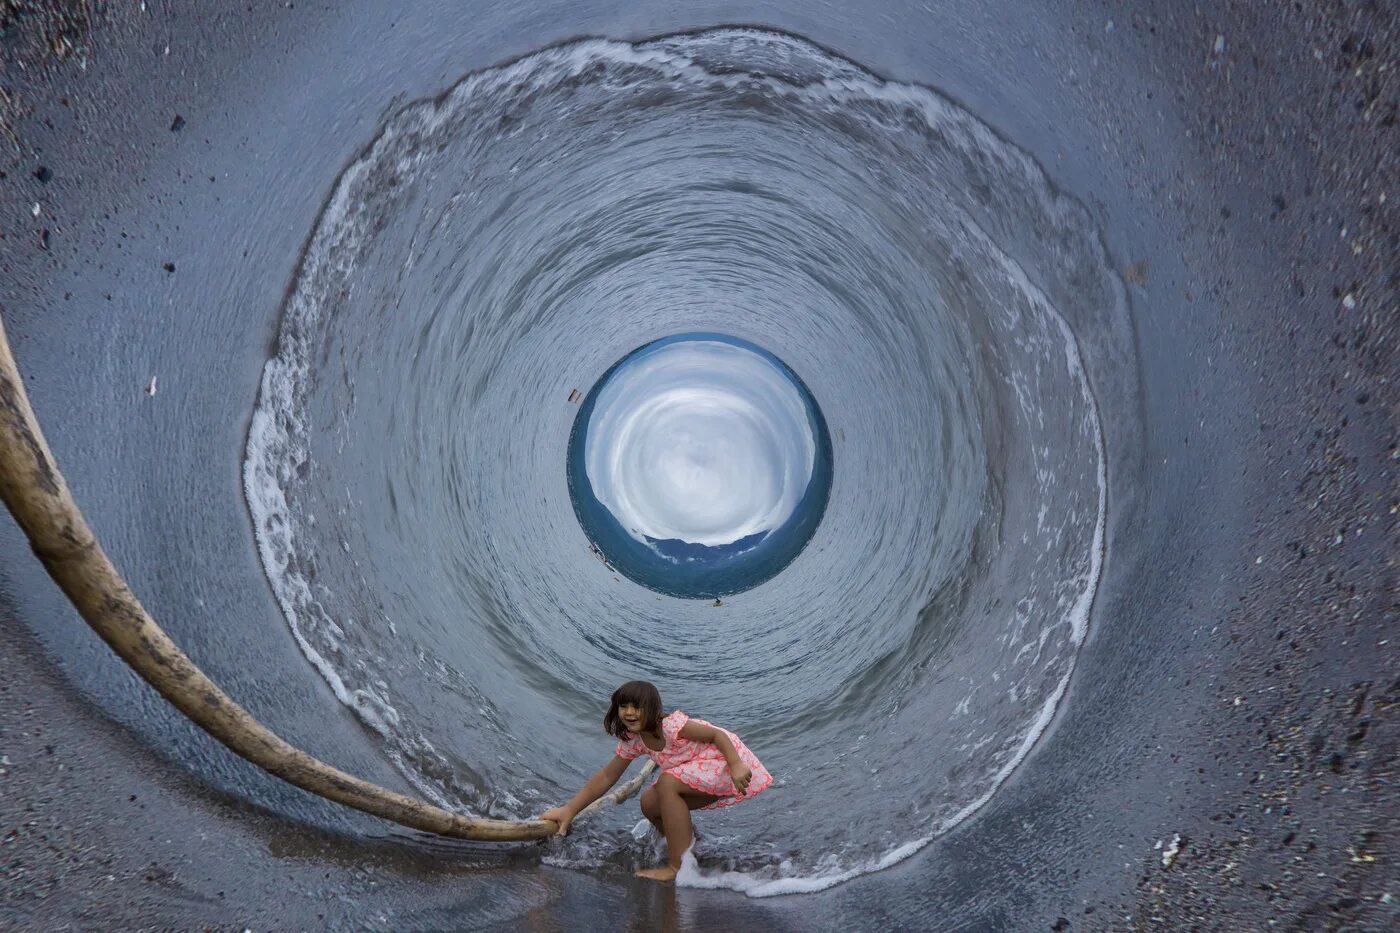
702, 767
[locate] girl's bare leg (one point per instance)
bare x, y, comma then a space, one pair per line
651, 809
676, 800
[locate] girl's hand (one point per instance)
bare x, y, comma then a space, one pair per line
741, 776
560, 815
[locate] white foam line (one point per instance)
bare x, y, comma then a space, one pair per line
752, 885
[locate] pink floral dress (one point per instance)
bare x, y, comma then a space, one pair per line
699, 764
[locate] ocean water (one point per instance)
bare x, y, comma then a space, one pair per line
497, 247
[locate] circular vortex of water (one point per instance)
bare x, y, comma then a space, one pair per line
499, 246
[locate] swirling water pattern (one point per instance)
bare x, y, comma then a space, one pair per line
507, 242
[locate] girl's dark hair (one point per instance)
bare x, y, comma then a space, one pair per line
636, 693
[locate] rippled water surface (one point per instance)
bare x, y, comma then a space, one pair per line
501, 246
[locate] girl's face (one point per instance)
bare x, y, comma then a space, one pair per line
632, 717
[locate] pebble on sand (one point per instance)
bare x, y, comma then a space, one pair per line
1173, 849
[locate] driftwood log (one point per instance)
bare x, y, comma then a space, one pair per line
37, 496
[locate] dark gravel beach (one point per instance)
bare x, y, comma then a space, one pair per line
1225, 755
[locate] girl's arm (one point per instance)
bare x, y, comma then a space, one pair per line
702, 732
595, 787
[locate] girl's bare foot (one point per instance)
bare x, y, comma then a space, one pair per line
664, 873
